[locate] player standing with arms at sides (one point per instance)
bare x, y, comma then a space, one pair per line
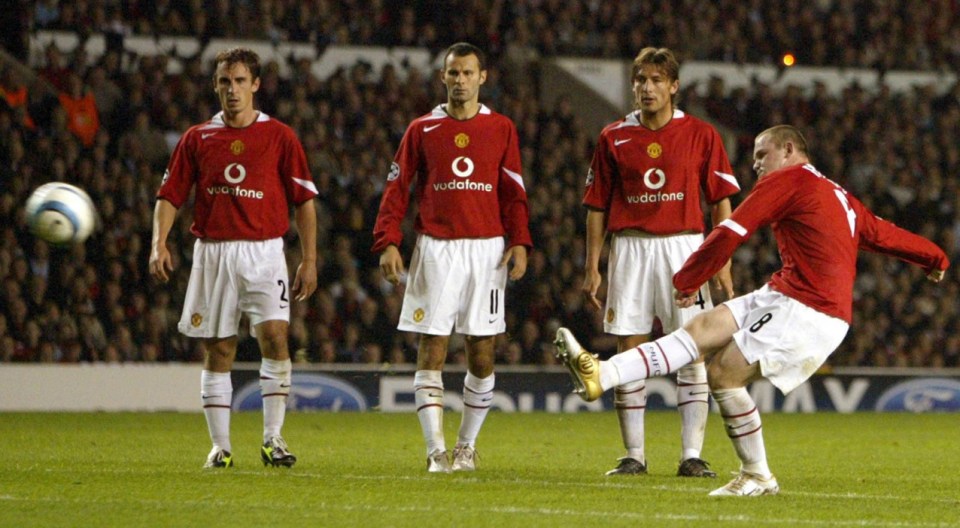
783, 331
645, 184
463, 160
248, 168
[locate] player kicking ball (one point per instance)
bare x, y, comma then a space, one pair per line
783, 331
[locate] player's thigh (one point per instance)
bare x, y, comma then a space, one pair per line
631, 278
481, 311
435, 277
673, 251
211, 304
264, 282
787, 339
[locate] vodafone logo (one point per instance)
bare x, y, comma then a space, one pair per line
654, 179
462, 167
228, 173
234, 174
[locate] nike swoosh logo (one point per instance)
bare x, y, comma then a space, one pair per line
735, 427
283, 306
429, 128
491, 321
435, 395
205, 397
205, 136
618, 142
699, 393
282, 386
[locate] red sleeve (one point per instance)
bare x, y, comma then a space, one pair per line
512, 194
880, 236
396, 192
718, 180
764, 205
599, 177
295, 171
181, 173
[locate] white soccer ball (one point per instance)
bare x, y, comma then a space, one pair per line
61, 213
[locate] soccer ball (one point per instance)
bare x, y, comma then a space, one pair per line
61, 213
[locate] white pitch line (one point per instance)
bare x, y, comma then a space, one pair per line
602, 485
544, 483
614, 485
516, 510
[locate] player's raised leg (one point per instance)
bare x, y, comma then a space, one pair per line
592, 377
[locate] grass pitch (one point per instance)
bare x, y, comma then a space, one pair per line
889, 470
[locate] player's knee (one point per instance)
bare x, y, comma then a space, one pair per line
272, 340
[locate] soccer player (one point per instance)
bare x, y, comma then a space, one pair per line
645, 184
463, 160
786, 329
248, 168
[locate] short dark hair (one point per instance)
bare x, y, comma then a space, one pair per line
781, 134
662, 58
463, 49
245, 56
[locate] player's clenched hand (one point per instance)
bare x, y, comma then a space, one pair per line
519, 256
685, 300
936, 275
161, 264
305, 281
591, 283
391, 264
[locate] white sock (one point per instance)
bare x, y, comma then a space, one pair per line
742, 421
630, 400
274, 388
216, 392
693, 397
428, 393
657, 358
477, 399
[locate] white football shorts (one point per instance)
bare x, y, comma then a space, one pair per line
455, 285
233, 277
790, 339
640, 271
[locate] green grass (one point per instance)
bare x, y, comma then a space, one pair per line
536, 470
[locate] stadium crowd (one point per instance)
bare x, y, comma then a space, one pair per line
110, 129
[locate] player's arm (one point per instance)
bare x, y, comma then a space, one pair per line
305, 280
161, 263
596, 232
765, 204
721, 284
880, 236
387, 234
514, 211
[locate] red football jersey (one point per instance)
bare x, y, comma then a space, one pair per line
246, 178
650, 180
466, 176
819, 227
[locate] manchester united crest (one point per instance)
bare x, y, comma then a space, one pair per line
611, 315
654, 150
237, 147
462, 140
195, 320
418, 315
